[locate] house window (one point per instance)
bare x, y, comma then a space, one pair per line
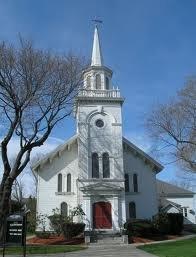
126, 183
95, 165
64, 209
185, 212
98, 81
59, 188
69, 182
88, 82
132, 210
135, 183
106, 165
107, 83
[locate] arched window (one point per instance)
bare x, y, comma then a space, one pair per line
59, 188
95, 165
98, 81
132, 210
135, 183
107, 83
88, 82
64, 209
69, 182
106, 165
126, 183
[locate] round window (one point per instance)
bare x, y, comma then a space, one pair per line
99, 123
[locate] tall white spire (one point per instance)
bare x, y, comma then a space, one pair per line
97, 59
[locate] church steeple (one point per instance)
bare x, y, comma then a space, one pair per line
97, 58
97, 76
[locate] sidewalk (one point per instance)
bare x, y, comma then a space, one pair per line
101, 250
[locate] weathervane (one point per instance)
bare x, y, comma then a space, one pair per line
97, 21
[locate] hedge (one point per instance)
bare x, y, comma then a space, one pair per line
71, 229
169, 223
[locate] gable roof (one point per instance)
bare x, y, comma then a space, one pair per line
166, 189
157, 166
166, 203
56, 151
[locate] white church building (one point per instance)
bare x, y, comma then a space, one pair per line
110, 177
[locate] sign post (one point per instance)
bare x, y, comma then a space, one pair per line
15, 233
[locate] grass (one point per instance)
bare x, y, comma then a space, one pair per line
181, 248
44, 249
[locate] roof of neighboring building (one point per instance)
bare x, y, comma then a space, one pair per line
164, 203
166, 189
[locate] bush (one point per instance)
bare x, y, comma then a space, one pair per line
168, 223
190, 228
138, 227
176, 223
57, 221
31, 222
161, 223
42, 234
71, 229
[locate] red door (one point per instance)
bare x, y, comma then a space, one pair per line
102, 217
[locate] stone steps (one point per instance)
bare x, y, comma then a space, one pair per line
104, 238
109, 240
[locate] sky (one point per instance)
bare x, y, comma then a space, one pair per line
149, 44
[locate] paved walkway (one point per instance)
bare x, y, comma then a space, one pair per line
119, 250
111, 251
101, 251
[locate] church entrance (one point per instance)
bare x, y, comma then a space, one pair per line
102, 217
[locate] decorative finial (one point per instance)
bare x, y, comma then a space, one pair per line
97, 21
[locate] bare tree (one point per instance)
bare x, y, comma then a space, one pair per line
173, 126
18, 191
186, 184
37, 89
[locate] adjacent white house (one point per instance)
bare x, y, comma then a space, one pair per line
174, 199
98, 168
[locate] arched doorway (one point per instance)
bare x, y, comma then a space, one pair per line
102, 217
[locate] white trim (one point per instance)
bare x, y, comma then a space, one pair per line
157, 165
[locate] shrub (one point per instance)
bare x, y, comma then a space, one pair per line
176, 223
31, 222
42, 234
71, 229
138, 227
168, 223
41, 221
161, 223
57, 221
190, 228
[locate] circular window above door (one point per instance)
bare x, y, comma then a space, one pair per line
99, 123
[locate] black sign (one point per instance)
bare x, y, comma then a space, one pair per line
15, 231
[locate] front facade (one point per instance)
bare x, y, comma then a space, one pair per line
112, 179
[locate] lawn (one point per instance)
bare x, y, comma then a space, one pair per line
182, 248
46, 249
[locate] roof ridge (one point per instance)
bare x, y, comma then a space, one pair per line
184, 190
53, 152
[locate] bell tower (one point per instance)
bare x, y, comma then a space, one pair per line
100, 150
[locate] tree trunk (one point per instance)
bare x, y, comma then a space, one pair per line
4, 204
